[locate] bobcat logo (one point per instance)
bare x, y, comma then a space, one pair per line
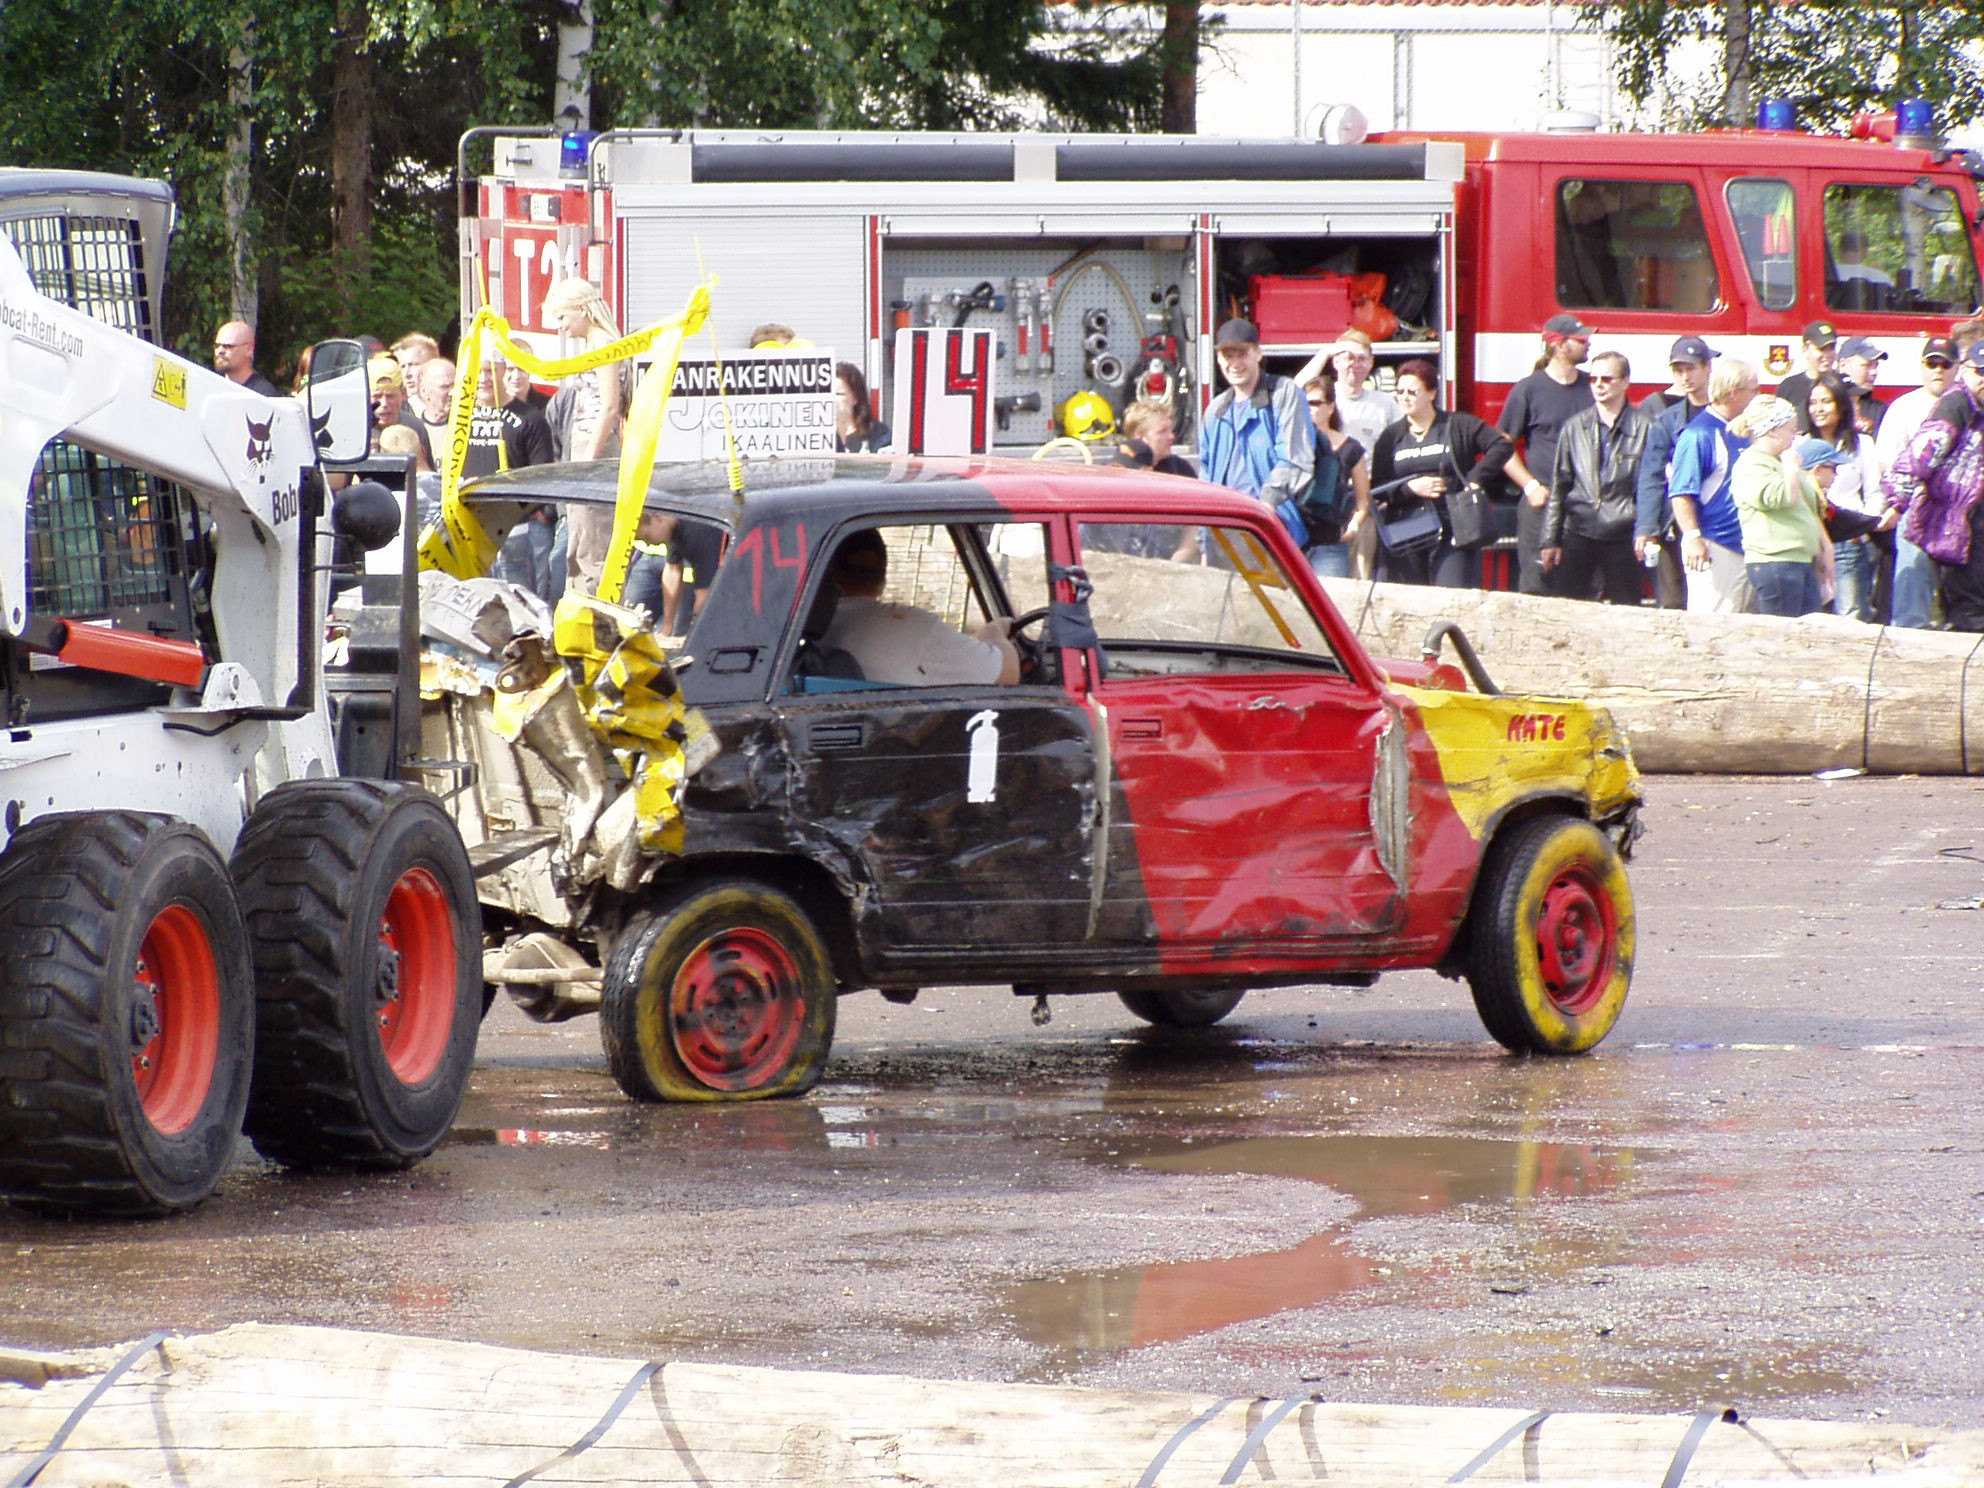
260, 444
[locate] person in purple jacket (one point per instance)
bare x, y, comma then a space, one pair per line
1937, 483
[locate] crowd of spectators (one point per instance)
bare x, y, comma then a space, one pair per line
1820, 495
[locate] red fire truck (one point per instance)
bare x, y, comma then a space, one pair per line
1105, 263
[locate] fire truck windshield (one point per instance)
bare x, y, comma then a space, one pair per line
1898, 248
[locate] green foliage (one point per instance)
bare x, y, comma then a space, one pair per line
1830, 58
850, 64
141, 89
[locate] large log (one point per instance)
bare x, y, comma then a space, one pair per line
278, 1405
1725, 693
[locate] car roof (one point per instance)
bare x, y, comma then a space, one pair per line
849, 486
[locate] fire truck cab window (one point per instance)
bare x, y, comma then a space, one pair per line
1633, 245
1898, 248
1767, 227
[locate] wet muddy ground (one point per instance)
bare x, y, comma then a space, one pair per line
1766, 1189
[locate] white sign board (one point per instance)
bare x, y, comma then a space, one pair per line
778, 403
943, 391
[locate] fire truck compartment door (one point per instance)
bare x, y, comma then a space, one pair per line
752, 258
1001, 223
1363, 223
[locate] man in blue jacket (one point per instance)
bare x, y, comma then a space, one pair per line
1698, 489
1258, 437
1671, 412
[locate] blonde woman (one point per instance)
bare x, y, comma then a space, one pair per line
598, 404
1786, 552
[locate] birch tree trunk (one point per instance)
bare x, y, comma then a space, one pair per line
571, 99
242, 299
1738, 108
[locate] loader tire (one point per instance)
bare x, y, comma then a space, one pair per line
126, 1015
367, 940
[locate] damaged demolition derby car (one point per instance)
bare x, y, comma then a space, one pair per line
1199, 784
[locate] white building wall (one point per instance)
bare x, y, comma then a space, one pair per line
1425, 66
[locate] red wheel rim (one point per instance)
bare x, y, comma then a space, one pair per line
415, 995
737, 1010
1577, 940
175, 1027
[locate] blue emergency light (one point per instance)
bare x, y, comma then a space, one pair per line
1914, 118
1777, 113
572, 150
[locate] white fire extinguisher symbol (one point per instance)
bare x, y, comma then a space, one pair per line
982, 779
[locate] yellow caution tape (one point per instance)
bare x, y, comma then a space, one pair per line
625, 687
628, 695
458, 544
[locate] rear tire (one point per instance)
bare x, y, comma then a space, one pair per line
367, 939
126, 1014
724, 993
1550, 952
1175, 1009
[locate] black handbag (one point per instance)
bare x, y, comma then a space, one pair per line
1416, 529
1467, 515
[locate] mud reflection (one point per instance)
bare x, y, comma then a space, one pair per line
1128, 1307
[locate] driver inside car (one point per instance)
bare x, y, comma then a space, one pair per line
898, 643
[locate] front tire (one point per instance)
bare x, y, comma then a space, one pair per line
1551, 941
724, 993
1175, 1009
367, 938
126, 1014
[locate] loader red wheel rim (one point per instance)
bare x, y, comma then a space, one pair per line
177, 1043
737, 1010
1577, 940
415, 996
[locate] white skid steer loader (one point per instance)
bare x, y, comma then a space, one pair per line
206, 924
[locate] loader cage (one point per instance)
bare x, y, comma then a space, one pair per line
93, 264
109, 544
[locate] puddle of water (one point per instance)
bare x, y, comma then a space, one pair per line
521, 1136
1402, 1175
1130, 1306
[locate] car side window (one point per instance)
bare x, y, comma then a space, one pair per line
903, 605
1239, 612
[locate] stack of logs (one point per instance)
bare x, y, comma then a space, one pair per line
275, 1405
1735, 694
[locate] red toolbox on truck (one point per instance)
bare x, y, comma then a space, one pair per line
1311, 307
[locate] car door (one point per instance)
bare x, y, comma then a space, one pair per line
968, 808
1250, 769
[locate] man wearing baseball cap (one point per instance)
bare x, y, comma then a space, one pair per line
1816, 345
1654, 529
1859, 362
1910, 591
1257, 437
1937, 483
1538, 407
388, 384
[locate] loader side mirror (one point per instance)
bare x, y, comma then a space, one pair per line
366, 513
339, 401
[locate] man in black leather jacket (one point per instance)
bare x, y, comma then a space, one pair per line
1594, 494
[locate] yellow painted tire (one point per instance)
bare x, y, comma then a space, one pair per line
1550, 952
724, 993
